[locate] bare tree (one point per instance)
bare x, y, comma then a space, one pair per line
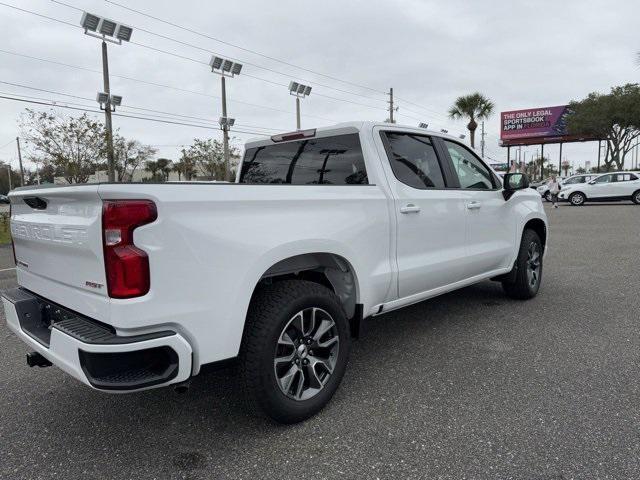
129, 156
73, 146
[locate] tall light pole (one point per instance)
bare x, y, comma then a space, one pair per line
225, 68
20, 161
107, 31
299, 91
392, 108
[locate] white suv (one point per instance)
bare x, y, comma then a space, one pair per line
604, 188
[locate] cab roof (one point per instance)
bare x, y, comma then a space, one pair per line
344, 128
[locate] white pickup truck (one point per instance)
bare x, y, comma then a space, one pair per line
133, 286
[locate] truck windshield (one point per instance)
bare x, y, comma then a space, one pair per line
336, 160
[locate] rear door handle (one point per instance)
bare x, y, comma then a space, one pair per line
473, 205
410, 208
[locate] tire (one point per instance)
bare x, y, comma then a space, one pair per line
635, 198
526, 281
577, 199
547, 196
279, 354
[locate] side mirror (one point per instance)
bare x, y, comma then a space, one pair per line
513, 182
592, 182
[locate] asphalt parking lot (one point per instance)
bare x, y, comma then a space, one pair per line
469, 385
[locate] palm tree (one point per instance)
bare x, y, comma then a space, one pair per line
474, 107
164, 166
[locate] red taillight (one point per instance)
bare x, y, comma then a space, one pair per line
13, 245
127, 266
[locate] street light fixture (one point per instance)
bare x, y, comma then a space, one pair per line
225, 68
299, 91
114, 32
105, 29
108, 101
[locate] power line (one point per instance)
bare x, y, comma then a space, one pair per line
53, 103
130, 78
202, 48
155, 84
171, 114
209, 51
181, 27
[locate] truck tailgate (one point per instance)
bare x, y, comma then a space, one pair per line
57, 235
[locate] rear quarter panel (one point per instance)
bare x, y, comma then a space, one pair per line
212, 243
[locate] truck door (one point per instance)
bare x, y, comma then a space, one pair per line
430, 248
491, 225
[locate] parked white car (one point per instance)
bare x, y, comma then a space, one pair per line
543, 190
606, 187
133, 286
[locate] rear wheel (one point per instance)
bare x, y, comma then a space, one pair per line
547, 196
636, 197
528, 268
577, 199
295, 349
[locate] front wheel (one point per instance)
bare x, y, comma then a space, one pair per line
577, 199
528, 275
295, 349
547, 196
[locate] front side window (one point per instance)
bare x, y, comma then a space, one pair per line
604, 179
571, 181
334, 160
413, 160
471, 172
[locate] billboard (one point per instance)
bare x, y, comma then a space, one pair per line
533, 123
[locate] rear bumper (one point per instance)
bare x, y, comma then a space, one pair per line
92, 352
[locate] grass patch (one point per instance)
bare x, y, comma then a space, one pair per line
5, 234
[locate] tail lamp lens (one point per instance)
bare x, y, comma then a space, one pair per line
126, 266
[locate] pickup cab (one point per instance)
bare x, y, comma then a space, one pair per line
134, 286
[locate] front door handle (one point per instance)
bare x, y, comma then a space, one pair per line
473, 205
410, 208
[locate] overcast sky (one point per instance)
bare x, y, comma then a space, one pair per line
519, 54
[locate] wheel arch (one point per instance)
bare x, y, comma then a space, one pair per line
540, 227
329, 269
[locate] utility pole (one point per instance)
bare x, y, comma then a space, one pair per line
225, 131
225, 68
391, 107
114, 32
9, 175
107, 115
482, 139
20, 160
560, 161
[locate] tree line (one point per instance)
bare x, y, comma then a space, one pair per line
613, 118
74, 148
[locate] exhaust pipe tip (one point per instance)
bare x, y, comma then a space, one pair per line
34, 359
182, 387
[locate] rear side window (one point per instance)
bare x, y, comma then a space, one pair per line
328, 161
413, 160
624, 177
